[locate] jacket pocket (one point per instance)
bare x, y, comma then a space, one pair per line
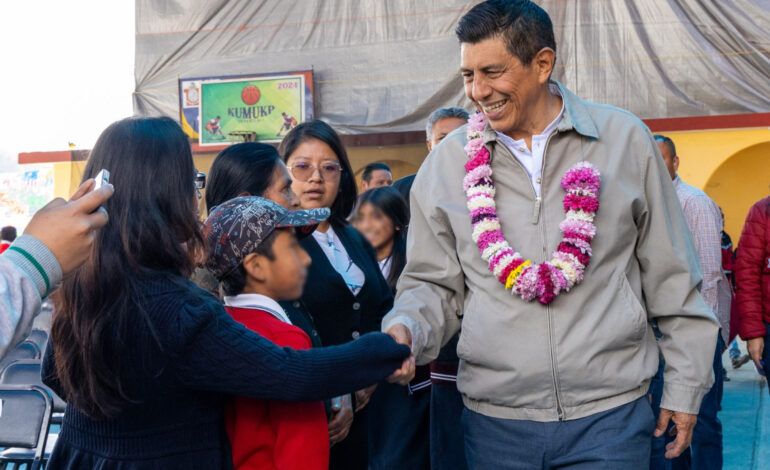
633, 308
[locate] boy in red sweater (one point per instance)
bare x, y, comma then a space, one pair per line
254, 251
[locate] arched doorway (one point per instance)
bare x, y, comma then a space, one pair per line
739, 182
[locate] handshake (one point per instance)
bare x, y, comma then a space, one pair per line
405, 373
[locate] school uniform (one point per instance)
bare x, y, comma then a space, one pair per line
342, 313
271, 434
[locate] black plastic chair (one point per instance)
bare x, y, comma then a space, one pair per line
24, 420
27, 372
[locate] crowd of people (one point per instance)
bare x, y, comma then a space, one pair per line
300, 324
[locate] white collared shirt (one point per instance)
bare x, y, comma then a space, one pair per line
385, 266
532, 159
332, 247
258, 301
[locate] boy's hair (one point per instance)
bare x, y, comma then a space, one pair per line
234, 282
9, 233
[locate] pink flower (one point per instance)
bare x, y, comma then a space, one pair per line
475, 175
583, 176
584, 203
472, 149
477, 122
585, 229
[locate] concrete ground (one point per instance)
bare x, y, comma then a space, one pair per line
745, 418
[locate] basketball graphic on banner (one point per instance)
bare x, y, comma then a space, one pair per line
250, 95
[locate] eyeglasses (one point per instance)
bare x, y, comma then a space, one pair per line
200, 180
303, 171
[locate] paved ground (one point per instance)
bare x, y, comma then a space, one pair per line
745, 419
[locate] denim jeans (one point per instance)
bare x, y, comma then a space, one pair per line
705, 450
614, 439
766, 352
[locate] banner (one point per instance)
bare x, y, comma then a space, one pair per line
23, 193
259, 108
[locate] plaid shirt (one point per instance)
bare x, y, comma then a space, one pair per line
705, 222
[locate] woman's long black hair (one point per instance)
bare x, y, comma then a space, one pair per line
346, 199
152, 228
245, 167
390, 202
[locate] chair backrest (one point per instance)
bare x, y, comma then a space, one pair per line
27, 372
24, 350
25, 414
39, 337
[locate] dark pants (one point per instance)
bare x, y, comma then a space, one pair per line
447, 444
614, 439
399, 428
705, 451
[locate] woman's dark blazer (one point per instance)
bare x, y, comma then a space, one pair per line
338, 316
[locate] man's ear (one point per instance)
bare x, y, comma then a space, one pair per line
544, 62
676, 163
255, 266
430, 145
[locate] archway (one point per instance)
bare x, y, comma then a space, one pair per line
738, 183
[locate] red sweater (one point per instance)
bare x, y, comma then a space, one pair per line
269, 435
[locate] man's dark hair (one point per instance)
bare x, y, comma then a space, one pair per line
316, 129
234, 282
371, 168
667, 141
9, 233
524, 26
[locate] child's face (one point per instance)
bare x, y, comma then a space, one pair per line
376, 226
285, 275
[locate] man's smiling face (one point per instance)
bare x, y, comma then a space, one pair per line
499, 84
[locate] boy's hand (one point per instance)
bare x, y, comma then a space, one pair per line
340, 420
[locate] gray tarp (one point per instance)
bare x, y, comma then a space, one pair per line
384, 65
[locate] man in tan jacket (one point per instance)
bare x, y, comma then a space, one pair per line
560, 383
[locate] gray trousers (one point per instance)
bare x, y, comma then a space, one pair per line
616, 439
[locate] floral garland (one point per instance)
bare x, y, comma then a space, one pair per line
528, 280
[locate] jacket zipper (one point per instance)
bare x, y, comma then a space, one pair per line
538, 206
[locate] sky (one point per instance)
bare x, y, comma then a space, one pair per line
66, 73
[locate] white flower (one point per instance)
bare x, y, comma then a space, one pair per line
485, 225
480, 201
481, 189
493, 248
580, 215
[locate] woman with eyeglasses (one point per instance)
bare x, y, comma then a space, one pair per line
143, 357
346, 294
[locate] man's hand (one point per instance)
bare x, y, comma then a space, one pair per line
405, 373
684, 424
363, 397
67, 228
340, 420
756, 347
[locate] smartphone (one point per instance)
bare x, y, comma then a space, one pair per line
102, 178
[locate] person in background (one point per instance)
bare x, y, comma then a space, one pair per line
728, 267
346, 293
7, 236
705, 223
376, 175
253, 250
752, 276
143, 357
256, 169
440, 123
56, 241
401, 439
